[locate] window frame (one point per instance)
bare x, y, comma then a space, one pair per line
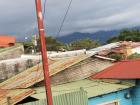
109, 102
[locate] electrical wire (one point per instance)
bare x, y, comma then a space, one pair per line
44, 9
65, 16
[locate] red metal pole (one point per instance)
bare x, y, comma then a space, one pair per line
44, 52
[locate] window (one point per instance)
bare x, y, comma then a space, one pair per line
111, 103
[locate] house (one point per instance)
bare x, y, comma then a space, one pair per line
70, 73
77, 97
125, 48
124, 70
7, 41
58, 66
98, 92
32, 76
127, 69
81, 70
11, 52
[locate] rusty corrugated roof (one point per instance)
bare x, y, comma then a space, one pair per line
35, 74
15, 95
32, 76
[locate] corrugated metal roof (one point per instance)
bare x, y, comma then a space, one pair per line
93, 88
81, 70
74, 98
121, 70
106, 47
35, 74
32, 76
15, 95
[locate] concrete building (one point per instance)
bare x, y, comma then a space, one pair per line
124, 70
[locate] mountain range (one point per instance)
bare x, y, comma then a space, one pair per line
101, 36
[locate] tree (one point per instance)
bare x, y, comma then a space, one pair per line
126, 35
28, 46
84, 44
134, 56
116, 56
53, 44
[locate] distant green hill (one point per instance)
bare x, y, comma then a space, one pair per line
101, 36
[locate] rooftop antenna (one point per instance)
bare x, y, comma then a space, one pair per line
44, 52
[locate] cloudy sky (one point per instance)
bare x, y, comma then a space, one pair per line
18, 17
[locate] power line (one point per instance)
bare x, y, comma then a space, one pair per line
44, 13
65, 16
44, 9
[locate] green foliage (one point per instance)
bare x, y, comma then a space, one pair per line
115, 56
84, 44
113, 39
28, 47
53, 44
127, 35
134, 56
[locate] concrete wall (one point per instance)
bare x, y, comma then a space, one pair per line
81, 70
11, 67
117, 96
136, 50
13, 52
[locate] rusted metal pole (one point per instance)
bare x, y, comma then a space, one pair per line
44, 52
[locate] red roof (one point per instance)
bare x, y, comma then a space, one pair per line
121, 70
6, 41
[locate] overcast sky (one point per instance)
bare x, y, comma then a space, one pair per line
18, 17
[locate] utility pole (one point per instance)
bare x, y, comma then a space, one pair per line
44, 52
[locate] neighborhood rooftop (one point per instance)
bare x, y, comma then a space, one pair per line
92, 87
121, 70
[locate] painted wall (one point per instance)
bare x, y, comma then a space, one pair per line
111, 97
136, 93
136, 50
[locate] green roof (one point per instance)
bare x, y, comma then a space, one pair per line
93, 88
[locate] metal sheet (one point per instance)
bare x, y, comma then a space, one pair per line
106, 47
73, 98
88, 85
121, 70
15, 95
35, 74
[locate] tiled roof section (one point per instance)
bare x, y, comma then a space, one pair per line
93, 87
15, 95
121, 70
35, 74
7, 40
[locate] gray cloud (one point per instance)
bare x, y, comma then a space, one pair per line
19, 17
